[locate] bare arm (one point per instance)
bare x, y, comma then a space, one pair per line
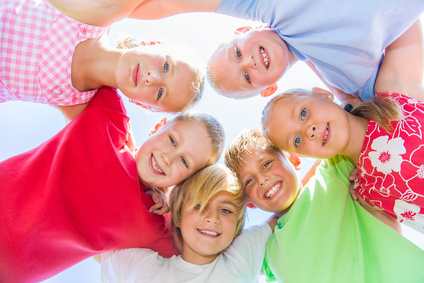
402, 68
72, 111
156, 9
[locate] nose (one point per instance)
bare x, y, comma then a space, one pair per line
212, 217
168, 158
249, 62
152, 78
311, 131
263, 181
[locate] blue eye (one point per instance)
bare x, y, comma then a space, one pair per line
303, 114
248, 182
238, 53
160, 92
246, 76
171, 139
267, 164
297, 141
165, 67
226, 211
184, 161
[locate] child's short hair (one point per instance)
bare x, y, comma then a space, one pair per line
201, 187
213, 128
246, 141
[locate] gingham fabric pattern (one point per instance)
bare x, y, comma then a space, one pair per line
37, 44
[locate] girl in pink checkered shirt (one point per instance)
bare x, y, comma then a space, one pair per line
51, 55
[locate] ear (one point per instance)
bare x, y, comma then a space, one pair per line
249, 203
241, 30
157, 126
295, 160
323, 93
269, 90
141, 104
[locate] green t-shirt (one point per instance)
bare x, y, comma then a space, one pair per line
328, 237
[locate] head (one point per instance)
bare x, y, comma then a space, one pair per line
308, 123
249, 63
208, 210
179, 148
265, 172
159, 77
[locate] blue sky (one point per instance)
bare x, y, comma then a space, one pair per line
25, 125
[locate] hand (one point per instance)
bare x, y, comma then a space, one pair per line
352, 178
160, 207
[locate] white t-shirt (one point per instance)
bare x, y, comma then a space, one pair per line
240, 263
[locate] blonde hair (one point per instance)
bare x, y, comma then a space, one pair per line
201, 187
213, 128
197, 86
382, 110
247, 141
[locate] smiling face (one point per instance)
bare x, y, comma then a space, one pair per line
173, 153
249, 63
157, 81
309, 125
206, 233
268, 179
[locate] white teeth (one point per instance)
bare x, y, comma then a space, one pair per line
273, 190
266, 60
208, 232
155, 166
325, 137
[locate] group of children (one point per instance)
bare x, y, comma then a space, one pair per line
85, 192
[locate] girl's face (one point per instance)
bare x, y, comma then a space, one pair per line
173, 153
268, 179
309, 125
250, 62
207, 233
157, 81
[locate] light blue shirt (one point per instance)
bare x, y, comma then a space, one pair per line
344, 39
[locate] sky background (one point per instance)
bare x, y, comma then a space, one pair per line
25, 125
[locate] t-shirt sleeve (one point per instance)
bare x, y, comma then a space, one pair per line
249, 247
128, 265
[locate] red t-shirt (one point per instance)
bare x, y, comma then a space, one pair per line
75, 196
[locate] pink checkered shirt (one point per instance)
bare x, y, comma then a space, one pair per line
37, 44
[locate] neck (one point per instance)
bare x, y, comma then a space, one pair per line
358, 129
93, 64
197, 259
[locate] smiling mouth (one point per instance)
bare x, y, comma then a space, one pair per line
155, 166
324, 140
265, 57
135, 74
273, 190
209, 233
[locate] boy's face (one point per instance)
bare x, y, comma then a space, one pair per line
250, 62
206, 233
173, 153
268, 179
309, 125
157, 81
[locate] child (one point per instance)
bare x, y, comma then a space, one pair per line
208, 212
382, 136
81, 193
343, 41
322, 234
50, 58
